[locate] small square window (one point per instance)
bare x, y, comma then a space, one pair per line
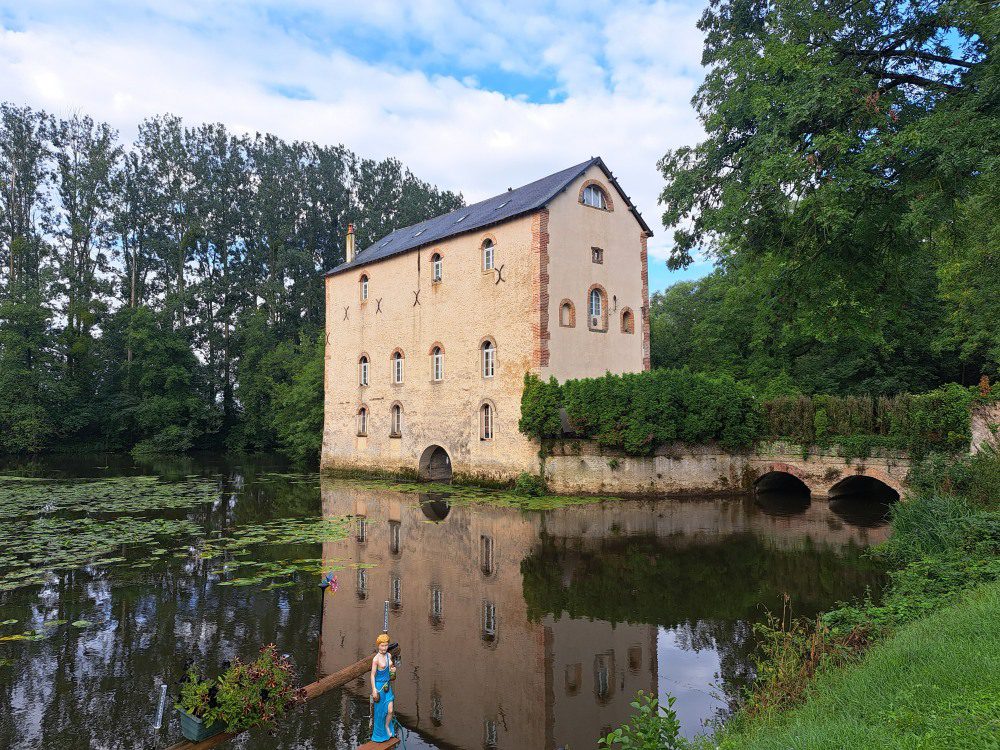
597, 254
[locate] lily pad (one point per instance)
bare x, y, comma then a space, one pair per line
82, 624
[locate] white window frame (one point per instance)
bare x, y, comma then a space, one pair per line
489, 620
595, 304
362, 421
437, 364
486, 417
363, 371
488, 250
364, 287
437, 267
397, 419
489, 357
594, 197
397, 367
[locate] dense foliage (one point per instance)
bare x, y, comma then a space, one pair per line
638, 412
848, 191
937, 420
168, 295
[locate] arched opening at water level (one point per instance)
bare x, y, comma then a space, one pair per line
779, 493
862, 501
435, 464
435, 507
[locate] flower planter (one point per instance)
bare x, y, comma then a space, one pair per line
195, 729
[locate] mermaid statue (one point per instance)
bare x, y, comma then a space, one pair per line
382, 696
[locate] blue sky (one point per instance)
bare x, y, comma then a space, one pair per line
474, 98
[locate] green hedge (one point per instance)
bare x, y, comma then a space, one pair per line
638, 412
938, 420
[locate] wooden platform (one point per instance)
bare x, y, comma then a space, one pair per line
380, 745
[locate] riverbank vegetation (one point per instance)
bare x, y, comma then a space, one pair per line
168, 295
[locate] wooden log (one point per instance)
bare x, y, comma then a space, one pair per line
312, 690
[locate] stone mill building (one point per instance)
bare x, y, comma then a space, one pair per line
430, 330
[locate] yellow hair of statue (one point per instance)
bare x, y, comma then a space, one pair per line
383, 638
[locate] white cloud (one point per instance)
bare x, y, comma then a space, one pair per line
623, 80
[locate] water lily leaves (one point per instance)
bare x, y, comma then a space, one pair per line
9, 622
82, 624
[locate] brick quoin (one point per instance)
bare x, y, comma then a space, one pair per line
645, 300
540, 289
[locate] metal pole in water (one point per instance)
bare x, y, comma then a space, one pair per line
385, 619
163, 704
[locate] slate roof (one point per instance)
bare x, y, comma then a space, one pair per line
507, 205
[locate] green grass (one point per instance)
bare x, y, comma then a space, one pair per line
934, 684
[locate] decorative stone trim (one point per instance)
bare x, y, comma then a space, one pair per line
572, 314
436, 344
604, 188
540, 288
604, 308
644, 259
627, 312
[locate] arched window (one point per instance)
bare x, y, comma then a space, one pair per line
437, 363
397, 367
396, 422
628, 321
489, 359
486, 421
364, 287
362, 422
436, 269
487, 255
594, 196
363, 370
567, 314
597, 308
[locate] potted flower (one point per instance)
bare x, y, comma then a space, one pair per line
246, 695
198, 707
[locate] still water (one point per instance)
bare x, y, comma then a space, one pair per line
519, 628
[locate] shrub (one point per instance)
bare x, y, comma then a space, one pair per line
652, 726
529, 485
541, 403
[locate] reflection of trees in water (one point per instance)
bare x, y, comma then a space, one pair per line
709, 593
95, 687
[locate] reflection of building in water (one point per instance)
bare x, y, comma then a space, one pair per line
475, 672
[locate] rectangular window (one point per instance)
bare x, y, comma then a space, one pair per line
362, 535
489, 621
489, 361
397, 370
397, 592
363, 422
436, 270
438, 365
486, 555
437, 603
490, 738
362, 583
597, 254
487, 417
364, 290
488, 257
364, 372
394, 537
437, 709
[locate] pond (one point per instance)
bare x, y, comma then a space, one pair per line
523, 624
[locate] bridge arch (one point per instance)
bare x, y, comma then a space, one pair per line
869, 484
435, 464
781, 476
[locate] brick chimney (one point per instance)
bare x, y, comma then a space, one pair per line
349, 252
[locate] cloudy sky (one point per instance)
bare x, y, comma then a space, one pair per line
474, 98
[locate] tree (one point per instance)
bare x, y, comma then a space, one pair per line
841, 137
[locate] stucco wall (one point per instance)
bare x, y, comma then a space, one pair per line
458, 313
574, 229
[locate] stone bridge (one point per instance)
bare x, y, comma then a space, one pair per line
581, 466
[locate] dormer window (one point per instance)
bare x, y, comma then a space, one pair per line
436, 267
593, 196
364, 287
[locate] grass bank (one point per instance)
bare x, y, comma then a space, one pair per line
934, 683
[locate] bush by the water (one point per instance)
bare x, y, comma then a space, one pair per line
529, 485
637, 412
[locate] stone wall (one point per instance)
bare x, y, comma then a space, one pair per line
985, 426
582, 467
